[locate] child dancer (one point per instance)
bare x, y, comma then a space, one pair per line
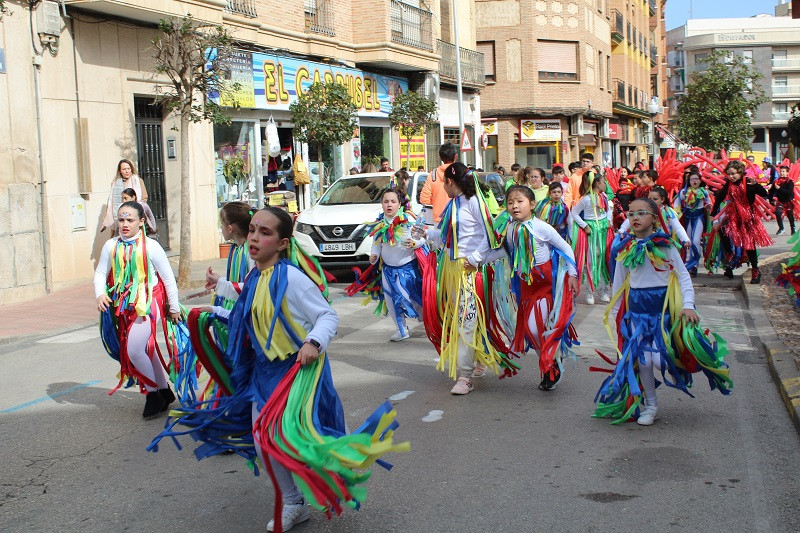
129, 195
280, 377
235, 221
134, 285
695, 204
740, 230
593, 236
458, 322
555, 212
395, 276
651, 289
676, 231
541, 262
783, 194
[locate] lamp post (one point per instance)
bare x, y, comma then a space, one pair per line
654, 108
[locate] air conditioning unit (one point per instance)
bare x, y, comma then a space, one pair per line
431, 87
576, 125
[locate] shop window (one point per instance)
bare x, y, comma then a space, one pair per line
375, 143
558, 60
235, 140
487, 49
537, 156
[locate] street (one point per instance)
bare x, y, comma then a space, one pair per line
507, 457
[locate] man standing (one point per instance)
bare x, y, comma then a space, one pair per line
572, 194
433, 192
385, 165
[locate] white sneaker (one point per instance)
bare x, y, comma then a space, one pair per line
397, 337
463, 386
781, 232
291, 516
590, 298
605, 296
479, 371
647, 415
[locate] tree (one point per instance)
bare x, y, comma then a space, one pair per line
715, 112
324, 114
193, 56
793, 131
412, 114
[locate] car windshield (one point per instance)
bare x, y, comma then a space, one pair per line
356, 190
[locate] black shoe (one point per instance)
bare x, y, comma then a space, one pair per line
153, 405
756, 279
550, 379
728, 273
168, 396
693, 272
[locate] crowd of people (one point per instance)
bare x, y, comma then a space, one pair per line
491, 286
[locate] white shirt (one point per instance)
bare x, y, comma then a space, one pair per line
646, 276
585, 207
546, 237
230, 290
473, 244
157, 260
307, 306
395, 254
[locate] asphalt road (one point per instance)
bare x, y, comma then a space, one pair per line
507, 457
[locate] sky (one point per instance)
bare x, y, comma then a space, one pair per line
678, 10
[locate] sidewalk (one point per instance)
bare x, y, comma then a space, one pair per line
76, 308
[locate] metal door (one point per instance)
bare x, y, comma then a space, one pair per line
150, 147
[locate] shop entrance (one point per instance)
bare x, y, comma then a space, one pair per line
150, 162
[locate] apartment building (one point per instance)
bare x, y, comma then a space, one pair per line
87, 101
637, 77
548, 87
770, 43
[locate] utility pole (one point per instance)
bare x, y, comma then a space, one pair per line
463, 155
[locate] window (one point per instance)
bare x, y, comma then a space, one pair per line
635, 37
747, 56
698, 58
629, 30
558, 60
601, 79
487, 49
779, 54
780, 81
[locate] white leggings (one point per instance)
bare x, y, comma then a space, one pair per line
466, 330
291, 494
400, 322
652, 361
150, 367
544, 310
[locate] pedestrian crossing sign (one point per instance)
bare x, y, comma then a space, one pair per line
466, 144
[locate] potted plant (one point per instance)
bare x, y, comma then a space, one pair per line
234, 172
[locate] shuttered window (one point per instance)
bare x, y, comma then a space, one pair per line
558, 60
487, 49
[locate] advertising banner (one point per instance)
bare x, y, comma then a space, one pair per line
417, 149
539, 130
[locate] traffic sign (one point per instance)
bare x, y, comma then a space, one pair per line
484, 140
466, 145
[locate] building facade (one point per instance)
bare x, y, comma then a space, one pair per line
87, 101
548, 80
770, 43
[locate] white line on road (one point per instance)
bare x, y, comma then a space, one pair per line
401, 395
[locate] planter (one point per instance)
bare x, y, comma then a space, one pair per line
224, 250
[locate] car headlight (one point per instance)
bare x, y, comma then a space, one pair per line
304, 228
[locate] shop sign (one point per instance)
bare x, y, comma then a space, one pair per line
277, 80
539, 130
667, 142
417, 149
614, 131
490, 128
240, 66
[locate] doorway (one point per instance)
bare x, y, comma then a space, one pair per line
150, 149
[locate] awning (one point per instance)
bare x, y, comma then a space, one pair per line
665, 133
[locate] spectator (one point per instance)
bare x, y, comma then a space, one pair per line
385, 165
572, 194
125, 178
354, 170
420, 168
433, 192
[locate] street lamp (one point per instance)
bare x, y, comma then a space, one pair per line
654, 108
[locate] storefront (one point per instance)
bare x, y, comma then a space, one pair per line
268, 84
538, 143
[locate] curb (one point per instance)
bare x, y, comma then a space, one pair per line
781, 360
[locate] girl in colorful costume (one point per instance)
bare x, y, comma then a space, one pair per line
738, 230
136, 294
235, 222
695, 204
592, 235
458, 319
279, 382
670, 217
544, 279
657, 326
555, 212
393, 279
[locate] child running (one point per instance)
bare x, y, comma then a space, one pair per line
280, 379
695, 204
592, 237
395, 277
541, 262
554, 211
458, 317
652, 288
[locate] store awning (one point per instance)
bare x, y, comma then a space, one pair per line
669, 139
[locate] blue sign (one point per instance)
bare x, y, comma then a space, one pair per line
2, 61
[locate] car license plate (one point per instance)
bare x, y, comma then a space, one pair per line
337, 247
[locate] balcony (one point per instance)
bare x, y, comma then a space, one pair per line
319, 17
246, 8
653, 55
618, 26
651, 4
472, 66
411, 25
781, 116
785, 91
786, 64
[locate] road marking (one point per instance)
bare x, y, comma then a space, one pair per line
433, 416
401, 395
73, 337
50, 396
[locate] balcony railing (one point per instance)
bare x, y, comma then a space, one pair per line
472, 66
786, 90
653, 55
411, 25
781, 115
319, 17
242, 7
618, 26
786, 63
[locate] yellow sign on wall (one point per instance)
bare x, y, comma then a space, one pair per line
417, 149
